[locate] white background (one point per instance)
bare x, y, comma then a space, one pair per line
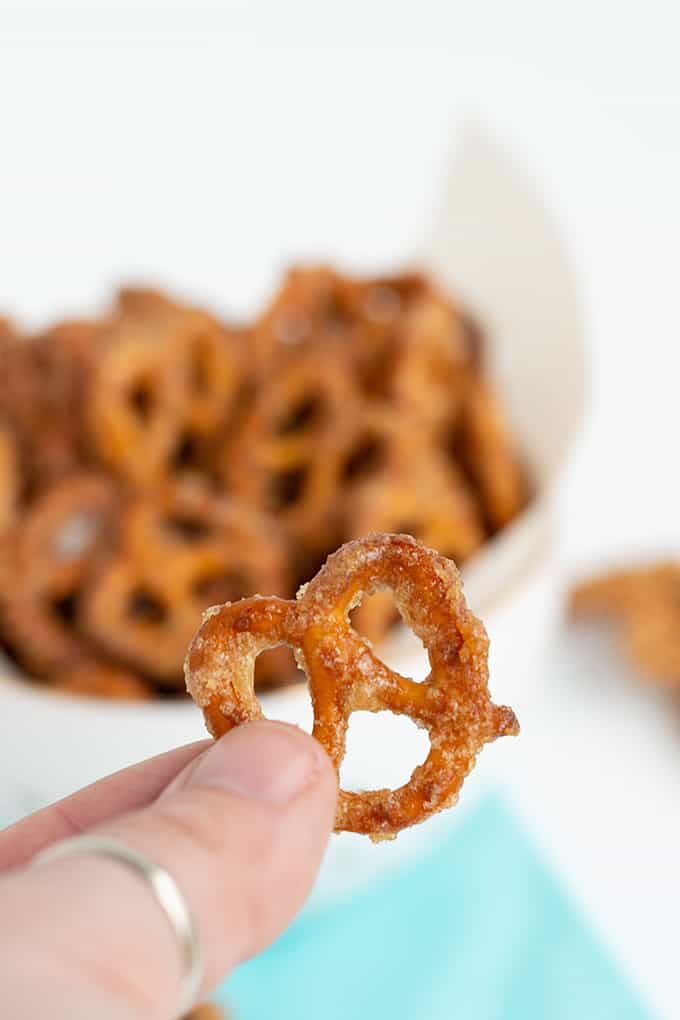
137, 141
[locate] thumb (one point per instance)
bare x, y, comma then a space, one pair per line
242, 830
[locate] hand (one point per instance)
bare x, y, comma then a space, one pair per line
241, 825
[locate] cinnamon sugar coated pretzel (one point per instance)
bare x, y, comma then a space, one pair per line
346, 406
345, 675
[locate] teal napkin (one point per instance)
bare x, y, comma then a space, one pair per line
478, 930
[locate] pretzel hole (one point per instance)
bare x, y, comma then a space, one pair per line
144, 607
300, 416
376, 616
65, 608
186, 453
277, 666
142, 400
187, 527
336, 313
287, 487
377, 619
368, 763
365, 459
222, 586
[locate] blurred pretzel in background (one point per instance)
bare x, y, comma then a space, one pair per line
643, 603
156, 459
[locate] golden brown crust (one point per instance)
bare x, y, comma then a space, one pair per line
345, 675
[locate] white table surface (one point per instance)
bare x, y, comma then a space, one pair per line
241, 135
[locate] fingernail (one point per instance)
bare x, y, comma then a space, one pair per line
261, 761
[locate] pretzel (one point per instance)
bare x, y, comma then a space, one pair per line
431, 354
384, 323
63, 359
213, 368
283, 458
645, 604
313, 302
214, 373
345, 676
168, 377
52, 549
42, 382
135, 401
178, 550
421, 497
97, 679
351, 405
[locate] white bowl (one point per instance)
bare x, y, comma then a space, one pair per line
494, 244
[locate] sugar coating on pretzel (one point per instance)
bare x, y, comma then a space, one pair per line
345, 675
644, 604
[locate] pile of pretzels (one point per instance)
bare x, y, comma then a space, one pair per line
156, 460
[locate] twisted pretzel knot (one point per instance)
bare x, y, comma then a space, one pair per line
284, 454
177, 549
345, 675
167, 376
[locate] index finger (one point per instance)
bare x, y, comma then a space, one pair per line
131, 788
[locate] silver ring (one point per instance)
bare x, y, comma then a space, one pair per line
167, 893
